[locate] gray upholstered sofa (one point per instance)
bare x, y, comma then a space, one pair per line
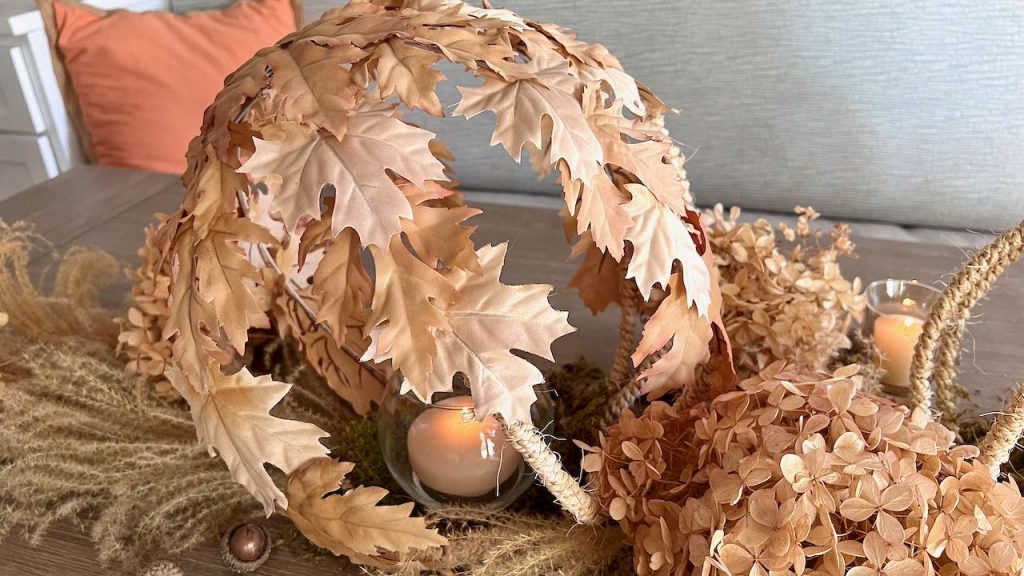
910, 113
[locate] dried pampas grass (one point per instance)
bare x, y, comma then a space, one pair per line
82, 441
488, 543
72, 306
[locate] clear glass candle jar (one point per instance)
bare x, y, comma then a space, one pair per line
441, 455
896, 313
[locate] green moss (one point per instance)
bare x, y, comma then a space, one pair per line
356, 441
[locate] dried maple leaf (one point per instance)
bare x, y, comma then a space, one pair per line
222, 271
660, 239
597, 278
341, 283
301, 163
233, 421
676, 322
408, 300
487, 321
352, 523
190, 318
309, 82
407, 70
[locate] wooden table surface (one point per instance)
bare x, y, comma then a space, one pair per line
108, 208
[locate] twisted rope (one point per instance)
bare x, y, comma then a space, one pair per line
1002, 437
630, 303
624, 397
944, 326
527, 440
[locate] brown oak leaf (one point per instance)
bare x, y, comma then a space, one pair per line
310, 83
678, 322
191, 319
407, 312
233, 421
597, 278
404, 69
341, 283
222, 271
300, 164
660, 239
353, 523
487, 321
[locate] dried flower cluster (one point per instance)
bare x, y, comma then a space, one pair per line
793, 305
800, 472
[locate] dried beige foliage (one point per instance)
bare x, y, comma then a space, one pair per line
233, 420
783, 302
351, 522
799, 472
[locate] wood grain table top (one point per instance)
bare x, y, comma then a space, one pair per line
108, 208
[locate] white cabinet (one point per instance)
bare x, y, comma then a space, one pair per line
25, 159
37, 139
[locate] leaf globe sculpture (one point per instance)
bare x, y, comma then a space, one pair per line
305, 166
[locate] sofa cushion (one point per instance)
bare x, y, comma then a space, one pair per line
142, 81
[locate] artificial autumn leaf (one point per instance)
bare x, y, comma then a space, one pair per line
434, 231
222, 272
601, 211
310, 83
352, 523
660, 239
408, 299
189, 316
678, 322
639, 147
487, 321
540, 110
233, 421
597, 278
214, 191
299, 165
341, 283
339, 364
407, 70
467, 46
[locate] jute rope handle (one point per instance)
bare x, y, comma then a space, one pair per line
943, 330
529, 442
936, 356
630, 303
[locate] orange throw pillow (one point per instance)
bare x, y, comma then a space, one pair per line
144, 80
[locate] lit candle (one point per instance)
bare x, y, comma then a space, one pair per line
451, 452
895, 336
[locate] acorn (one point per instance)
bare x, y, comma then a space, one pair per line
245, 548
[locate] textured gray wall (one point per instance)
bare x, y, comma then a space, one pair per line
910, 112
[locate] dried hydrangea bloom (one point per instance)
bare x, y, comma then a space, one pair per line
793, 305
801, 472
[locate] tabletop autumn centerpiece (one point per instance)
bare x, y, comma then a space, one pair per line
305, 166
316, 214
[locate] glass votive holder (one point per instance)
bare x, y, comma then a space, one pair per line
441, 455
896, 313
